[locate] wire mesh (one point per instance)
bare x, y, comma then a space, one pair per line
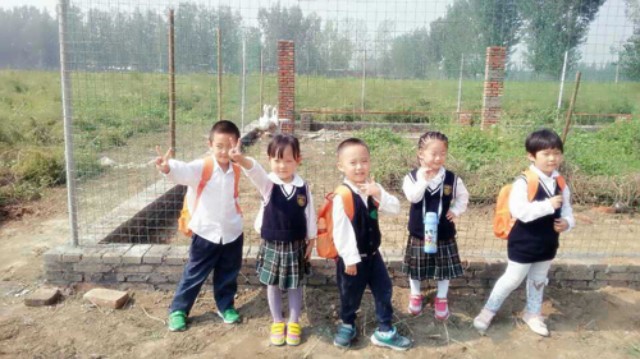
414, 64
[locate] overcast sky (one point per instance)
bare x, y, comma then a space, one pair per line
610, 28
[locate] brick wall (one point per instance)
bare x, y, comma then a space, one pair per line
160, 267
493, 85
286, 84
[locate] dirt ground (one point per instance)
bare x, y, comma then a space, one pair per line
590, 324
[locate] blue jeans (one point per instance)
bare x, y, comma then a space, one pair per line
372, 272
224, 260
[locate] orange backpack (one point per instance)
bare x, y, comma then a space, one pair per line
502, 220
207, 171
324, 243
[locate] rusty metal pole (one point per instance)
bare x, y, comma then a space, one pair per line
567, 121
172, 87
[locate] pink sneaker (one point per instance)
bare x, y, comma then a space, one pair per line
441, 308
415, 304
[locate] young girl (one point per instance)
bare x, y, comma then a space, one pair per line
432, 188
287, 224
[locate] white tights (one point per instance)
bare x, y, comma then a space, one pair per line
443, 287
515, 273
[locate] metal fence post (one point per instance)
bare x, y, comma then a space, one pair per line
67, 116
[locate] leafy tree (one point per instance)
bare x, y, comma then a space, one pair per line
630, 56
553, 27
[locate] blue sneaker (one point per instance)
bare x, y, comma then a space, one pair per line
391, 340
344, 336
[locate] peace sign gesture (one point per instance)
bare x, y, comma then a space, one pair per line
370, 188
235, 152
162, 161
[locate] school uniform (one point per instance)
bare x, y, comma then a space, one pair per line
532, 238
444, 192
216, 243
285, 221
357, 242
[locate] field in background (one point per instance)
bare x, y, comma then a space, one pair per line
116, 108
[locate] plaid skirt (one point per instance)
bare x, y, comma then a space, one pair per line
444, 264
282, 263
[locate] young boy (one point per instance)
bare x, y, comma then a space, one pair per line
533, 240
216, 223
357, 241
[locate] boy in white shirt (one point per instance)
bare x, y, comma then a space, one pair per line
357, 241
216, 224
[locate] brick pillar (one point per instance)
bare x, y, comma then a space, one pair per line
493, 85
286, 84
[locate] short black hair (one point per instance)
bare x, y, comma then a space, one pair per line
351, 142
279, 144
543, 139
226, 127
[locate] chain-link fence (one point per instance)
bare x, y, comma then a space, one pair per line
359, 64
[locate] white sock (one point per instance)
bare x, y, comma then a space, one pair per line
415, 286
443, 288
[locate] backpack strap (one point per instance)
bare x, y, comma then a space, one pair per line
347, 200
207, 170
533, 182
236, 185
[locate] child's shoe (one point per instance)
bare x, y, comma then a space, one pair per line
277, 334
344, 335
483, 320
536, 324
441, 307
390, 339
229, 316
294, 332
177, 321
415, 304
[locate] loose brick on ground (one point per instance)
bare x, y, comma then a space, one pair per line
42, 296
107, 297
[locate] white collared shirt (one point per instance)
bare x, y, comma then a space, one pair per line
265, 183
216, 219
414, 190
526, 211
344, 237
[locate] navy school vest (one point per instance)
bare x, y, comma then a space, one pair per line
446, 228
365, 224
284, 217
535, 241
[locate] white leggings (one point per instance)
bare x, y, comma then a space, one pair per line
536, 274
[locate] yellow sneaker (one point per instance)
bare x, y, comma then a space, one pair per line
277, 333
294, 333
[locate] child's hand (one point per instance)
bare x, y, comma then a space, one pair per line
370, 188
560, 225
162, 162
351, 270
310, 245
451, 216
235, 153
556, 201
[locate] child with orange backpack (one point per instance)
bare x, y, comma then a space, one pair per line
437, 193
533, 239
357, 240
215, 224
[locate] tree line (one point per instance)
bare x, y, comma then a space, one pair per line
137, 41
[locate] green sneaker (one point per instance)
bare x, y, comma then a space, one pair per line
229, 316
391, 340
177, 321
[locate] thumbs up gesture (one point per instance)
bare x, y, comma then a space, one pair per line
162, 161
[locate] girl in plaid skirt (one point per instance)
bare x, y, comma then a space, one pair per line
432, 188
287, 224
